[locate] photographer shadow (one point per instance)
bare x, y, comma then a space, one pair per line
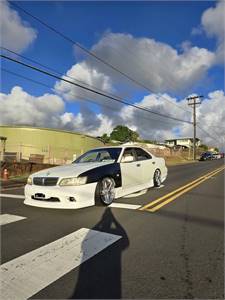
100, 276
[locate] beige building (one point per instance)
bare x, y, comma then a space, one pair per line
182, 142
44, 145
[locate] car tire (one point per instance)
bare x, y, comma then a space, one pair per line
105, 191
157, 178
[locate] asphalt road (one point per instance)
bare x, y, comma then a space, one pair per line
175, 252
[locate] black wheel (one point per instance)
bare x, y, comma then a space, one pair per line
105, 191
157, 178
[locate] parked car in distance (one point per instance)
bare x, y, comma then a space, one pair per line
206, 156
216, 155
98, 176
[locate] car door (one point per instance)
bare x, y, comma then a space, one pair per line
130, 171
147, 165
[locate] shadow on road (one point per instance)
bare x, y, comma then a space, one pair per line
100, 276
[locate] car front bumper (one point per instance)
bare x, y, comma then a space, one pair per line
60, 197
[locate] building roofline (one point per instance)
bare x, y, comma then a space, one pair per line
48, 129
185, 138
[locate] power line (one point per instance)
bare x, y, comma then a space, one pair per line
90, 52
91, 101
57, 72
207, 133
213, 131
159, 66
75, 95
92, 90
98, 58
49, 87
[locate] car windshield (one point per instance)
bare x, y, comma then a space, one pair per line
99, 155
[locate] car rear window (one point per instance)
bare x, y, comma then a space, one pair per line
141, 154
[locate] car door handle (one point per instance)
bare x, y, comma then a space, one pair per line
138, 165
153, 162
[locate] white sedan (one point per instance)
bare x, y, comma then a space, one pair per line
98, 176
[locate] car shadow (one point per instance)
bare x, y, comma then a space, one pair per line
100, 276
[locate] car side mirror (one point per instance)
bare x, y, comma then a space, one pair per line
127, 158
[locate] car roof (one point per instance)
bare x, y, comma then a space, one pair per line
122, 147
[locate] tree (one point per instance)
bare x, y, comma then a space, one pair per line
123, 134
149, 141
216, 149
204, 147
105, 138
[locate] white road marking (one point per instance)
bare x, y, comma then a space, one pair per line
137, 194
161, 186
12, 196
124, 205
26, 275
6, 219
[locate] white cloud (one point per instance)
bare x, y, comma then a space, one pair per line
85, 121
106, 125
156, 65
16, 34
18, 107
153, 126
213, 20
197, 30
210, 117
213, 24
83, 73
21, 108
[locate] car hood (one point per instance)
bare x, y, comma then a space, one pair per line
71, 170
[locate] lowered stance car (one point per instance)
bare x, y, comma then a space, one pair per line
97, 177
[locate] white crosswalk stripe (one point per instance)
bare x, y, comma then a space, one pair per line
124, 205
12, 196
26, 275
6, 219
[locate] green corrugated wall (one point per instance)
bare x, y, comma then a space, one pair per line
56, 146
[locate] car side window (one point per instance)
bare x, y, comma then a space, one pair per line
128, 155
90, 157
141, 154
104, 156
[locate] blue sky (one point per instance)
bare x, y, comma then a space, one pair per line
168, 24
85, 22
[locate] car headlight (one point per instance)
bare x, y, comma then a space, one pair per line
29, 180
73, 181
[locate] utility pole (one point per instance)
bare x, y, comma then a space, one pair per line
193, 101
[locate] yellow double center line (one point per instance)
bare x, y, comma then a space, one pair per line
160, 202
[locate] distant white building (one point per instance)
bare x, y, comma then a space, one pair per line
182, 142
145, 145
